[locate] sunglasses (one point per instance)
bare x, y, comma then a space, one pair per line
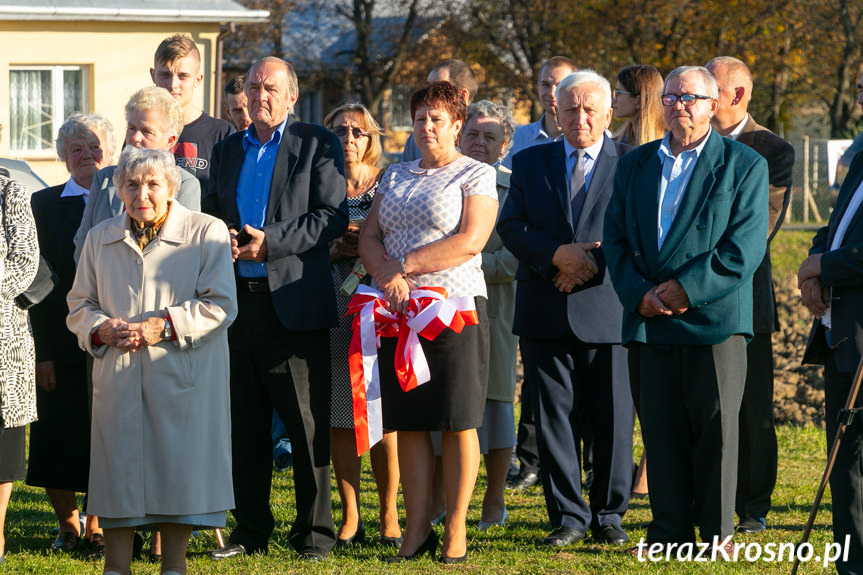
357, 133
687, 99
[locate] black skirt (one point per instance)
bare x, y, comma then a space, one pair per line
454, 398
60, 439
12, 463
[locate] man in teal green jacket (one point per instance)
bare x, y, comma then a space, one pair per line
684, 232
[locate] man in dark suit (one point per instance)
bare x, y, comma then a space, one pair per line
757, 463
686, 289
568, 316
831, 283
281, 185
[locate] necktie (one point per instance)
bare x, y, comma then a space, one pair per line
576, 187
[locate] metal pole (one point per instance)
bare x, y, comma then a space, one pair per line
805, 179
834, 450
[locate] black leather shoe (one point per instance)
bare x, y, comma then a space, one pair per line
66, 542
312, 554
522, 481
390, 541
453, 560
751, 524
428, 546
228, 551
562, 536
358, 538
610, 535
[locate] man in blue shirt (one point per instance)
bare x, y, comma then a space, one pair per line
280, 186
545, 129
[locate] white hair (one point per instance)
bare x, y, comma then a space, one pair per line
585, 76
709, 80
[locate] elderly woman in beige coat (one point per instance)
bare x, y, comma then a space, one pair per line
487, 137
152, 300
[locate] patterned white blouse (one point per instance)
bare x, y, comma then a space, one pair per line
420, 206
19, 259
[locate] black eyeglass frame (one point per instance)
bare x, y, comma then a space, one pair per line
687, 99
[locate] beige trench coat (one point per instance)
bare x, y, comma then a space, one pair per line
161, 416
498, 267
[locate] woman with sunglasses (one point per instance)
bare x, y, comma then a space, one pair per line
637, 101
359, 136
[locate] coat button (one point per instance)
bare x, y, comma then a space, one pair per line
140, 261
196, 342
689, 255
700, 226
636, 253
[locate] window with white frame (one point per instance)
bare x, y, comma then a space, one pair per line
40, 99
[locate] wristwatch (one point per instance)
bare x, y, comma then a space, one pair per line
402, 263
167, 331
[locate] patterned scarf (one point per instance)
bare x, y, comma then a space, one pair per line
147, 232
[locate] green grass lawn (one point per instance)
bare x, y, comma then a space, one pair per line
788, 250
511, 549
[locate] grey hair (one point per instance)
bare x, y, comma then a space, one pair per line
709, 80
137, 162
82, 126
585, 76
499, 112
293, 85
163, 103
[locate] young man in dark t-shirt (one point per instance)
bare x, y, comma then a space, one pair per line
177, 68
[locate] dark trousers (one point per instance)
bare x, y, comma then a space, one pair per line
690, 401
757, 464
272, 367
846, 480
526, 450
571, 380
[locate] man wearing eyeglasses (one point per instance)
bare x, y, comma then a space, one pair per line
831, 283
684, 231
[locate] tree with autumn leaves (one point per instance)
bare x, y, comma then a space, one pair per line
806, 55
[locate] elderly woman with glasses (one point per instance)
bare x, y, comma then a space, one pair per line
359, 136
154, 120
60, 440
487, 137
152, 300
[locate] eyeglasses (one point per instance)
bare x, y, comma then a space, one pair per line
357, 133
618, 92
687, 99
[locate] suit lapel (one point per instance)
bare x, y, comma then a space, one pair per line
602, 170
72, 210
556, 170
697, 191
235, 156
286, 160
647, 202
854, 180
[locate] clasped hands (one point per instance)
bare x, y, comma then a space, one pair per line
575, 264
667, 298
131, 336
255, 250
815, 296
397, 288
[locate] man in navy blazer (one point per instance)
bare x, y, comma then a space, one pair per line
567, 313
280, 186
831, 283
684, 232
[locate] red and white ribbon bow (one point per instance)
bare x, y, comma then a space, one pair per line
429, 313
